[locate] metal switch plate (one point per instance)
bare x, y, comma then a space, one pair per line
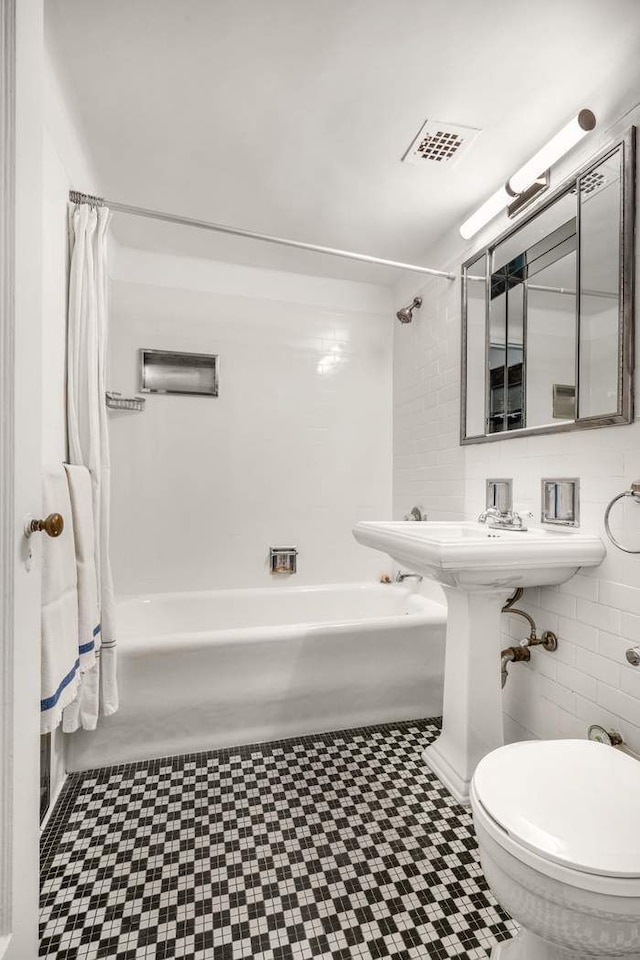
561, 501
500, 494
283, 560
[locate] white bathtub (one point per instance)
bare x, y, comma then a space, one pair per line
200, 671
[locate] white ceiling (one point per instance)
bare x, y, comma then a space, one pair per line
290, 116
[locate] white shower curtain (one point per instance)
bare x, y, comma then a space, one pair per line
89, 438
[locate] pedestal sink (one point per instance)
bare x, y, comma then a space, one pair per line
478, 567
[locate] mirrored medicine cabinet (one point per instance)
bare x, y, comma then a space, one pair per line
547, 311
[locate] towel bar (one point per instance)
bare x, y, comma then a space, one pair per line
633, 492
53, 525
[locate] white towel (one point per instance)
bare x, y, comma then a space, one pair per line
79, 480
87, 414
83, 712
60, 662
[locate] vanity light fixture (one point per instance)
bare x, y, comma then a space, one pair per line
532, 177
489, 209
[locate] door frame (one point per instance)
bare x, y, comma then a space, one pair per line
21, 72
7, 406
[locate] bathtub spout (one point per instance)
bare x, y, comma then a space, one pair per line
401, 576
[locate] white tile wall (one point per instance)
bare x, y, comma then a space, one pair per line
428, 462
296, 448
596, 614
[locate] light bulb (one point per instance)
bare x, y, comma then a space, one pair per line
563, 141
489, 209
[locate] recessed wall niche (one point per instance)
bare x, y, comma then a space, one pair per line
184, 374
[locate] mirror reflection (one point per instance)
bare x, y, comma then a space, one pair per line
543, 332
599, 264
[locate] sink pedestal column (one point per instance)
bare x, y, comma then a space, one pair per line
472, 712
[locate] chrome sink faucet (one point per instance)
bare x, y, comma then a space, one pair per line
496, 520
489, 514
402, 575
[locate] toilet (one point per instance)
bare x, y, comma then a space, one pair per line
558, 828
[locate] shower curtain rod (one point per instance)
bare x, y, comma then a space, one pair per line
566, 291
76, 197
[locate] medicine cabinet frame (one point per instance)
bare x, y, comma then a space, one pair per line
626, 292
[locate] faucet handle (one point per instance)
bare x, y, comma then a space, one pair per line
518, 518
514, 519
416, 513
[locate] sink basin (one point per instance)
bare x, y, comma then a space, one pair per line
473, 556
478, 567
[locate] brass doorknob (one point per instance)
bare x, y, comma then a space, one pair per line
53, 525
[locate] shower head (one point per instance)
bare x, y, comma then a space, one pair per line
405, 314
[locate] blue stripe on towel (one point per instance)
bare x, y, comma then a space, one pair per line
53, 699
88, 647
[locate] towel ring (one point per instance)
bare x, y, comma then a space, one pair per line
53, 525
633, 492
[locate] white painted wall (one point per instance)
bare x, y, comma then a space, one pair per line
596, 615
296, 448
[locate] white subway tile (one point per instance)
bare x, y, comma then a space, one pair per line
630, 626
596, 666
564, 606
559, 693
597, 615
520, 692
590, 712
622, 597
543, 718
612, 646
514, 628
581, 586
532, 595
631, 568
545, 619
544, 663
630, 681
514, 732
619, 703
580, 634
575, 680
614, 564
570, 726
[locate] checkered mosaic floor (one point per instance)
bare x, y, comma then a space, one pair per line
341, 845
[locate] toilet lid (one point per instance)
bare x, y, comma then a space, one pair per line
572, 801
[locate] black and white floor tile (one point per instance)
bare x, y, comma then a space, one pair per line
341, 845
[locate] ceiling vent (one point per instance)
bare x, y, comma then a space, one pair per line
440, 143
591, 183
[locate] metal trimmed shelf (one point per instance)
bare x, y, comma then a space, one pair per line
115, 401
